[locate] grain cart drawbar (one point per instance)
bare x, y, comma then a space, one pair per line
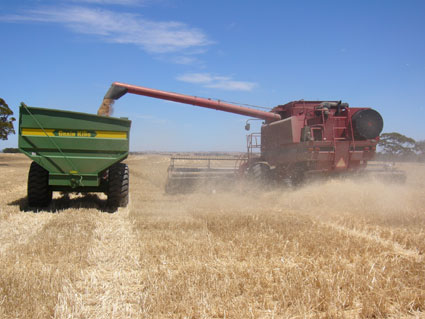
74, 152
298, 139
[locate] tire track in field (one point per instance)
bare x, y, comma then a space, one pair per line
389, 244
110, 286
35, 267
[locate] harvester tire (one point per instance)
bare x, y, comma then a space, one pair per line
260, 173
296, 176
38, 191
118, 185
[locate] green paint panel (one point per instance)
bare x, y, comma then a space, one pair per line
72, 146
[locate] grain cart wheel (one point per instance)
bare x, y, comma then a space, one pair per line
118, 185
39, 192
260, 173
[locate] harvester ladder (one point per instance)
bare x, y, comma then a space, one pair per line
350, 122
253, 143
340, 129
341, 137
319, 127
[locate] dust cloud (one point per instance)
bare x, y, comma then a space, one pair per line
365, 198
333, 198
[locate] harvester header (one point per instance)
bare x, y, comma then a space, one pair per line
118, 89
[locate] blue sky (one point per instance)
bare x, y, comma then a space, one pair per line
65, 54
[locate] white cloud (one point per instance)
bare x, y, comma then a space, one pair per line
195, 78
184, 60
217, 82
126, 28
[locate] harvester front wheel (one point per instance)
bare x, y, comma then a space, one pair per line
39, 192
118, 185
260, 173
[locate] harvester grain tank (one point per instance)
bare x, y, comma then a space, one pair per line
298, 139
74, 152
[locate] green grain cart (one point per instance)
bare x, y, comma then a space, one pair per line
74, 152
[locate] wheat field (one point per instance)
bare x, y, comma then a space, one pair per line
331, 249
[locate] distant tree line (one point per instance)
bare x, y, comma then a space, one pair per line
398, 147
11, 150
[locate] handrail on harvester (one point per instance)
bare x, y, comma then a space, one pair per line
118, 89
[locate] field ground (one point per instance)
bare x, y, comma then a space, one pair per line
335, 249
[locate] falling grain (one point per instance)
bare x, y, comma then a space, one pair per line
106, 108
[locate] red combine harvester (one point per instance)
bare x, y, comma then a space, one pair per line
298, 139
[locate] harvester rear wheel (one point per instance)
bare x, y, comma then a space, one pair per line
39, 192
118, 185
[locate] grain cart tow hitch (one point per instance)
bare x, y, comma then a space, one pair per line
298, 139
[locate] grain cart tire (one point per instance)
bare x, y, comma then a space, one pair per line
260, 173
39, 192
118, 185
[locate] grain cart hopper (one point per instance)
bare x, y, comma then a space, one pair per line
298, 139
74, 152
